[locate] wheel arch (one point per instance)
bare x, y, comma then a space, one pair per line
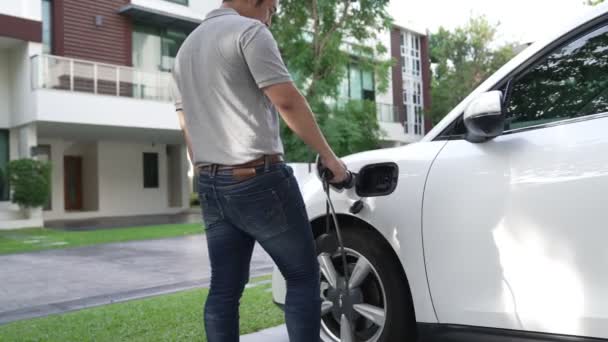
353, 222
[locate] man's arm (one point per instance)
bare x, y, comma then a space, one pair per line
177, 99
299, 118
270, 74
182, 124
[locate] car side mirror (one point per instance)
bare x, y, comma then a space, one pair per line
484, 117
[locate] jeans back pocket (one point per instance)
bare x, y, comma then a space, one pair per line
260, 214
211, 211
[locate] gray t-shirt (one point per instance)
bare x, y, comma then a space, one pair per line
220, 71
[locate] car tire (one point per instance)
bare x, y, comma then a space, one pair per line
385, 274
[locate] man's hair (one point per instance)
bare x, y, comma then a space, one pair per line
257, 4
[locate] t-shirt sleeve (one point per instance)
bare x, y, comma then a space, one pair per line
176, 95
263, 57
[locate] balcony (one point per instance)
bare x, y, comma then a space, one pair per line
385, 112
68, 74
68, 92
388, 113
389, 117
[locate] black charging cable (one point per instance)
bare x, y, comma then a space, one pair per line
348, 183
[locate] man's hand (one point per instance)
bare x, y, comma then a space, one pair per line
337, 167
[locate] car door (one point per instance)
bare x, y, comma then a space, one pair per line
516, 228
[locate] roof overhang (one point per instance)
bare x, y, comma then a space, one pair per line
20, 28
158, 17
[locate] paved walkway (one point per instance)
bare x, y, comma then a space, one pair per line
42, 283
278, 334
192, 215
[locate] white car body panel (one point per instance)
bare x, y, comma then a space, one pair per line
396, 216
515, 231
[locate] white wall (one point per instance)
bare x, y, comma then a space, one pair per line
121, 183
91, 171
13, 144
23, 105
29, 9
175, 175
204, 6
391, 131
27, 138
5, 91
57, 189
118, 180
173, 8
387, 96
104, 110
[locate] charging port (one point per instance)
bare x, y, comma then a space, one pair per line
377, 180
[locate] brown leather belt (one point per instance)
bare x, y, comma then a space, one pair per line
243, 171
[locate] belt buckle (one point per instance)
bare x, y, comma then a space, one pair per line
244, 173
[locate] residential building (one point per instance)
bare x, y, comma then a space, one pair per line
401, 107
85, 85
411, 80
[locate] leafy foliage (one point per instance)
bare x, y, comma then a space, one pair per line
318, 40
463, 59
593, 2
31, 182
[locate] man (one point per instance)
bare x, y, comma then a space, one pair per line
231, 78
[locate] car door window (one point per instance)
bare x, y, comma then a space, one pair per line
570, 82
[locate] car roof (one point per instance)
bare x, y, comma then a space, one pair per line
522, 57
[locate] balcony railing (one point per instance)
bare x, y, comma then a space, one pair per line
388, 113
53, 72
391, 114
385, 112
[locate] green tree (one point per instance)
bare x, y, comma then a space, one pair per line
318, 39
462, 59
593, 2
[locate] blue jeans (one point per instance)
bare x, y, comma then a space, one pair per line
269, 209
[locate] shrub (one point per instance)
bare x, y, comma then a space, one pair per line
31, 182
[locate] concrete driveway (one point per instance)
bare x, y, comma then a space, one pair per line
42, 283
277, 334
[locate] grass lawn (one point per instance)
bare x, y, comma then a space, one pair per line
35, 239
175, 317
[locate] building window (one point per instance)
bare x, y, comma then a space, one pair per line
369, 91
411, 64
156, 48
4, 159
418, 121
412, 100
410, 52
181, 2
47, 24
150, 170
361, 84
405, 123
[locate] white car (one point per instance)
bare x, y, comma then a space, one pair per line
495, 226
